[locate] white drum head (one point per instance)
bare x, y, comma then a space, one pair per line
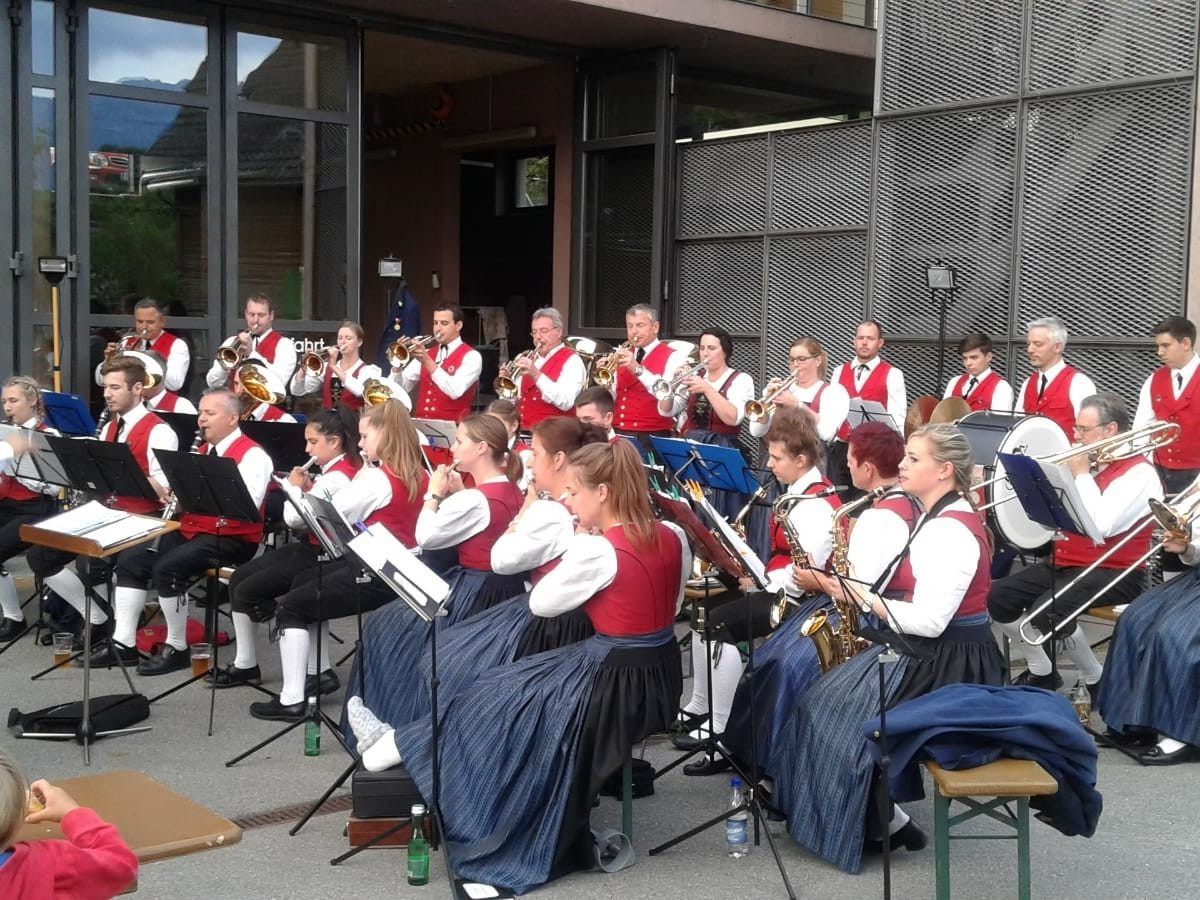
1032, 436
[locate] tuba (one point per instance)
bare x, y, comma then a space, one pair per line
377, 391
255, 390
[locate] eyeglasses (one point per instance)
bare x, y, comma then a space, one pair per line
800, 359
1081, 429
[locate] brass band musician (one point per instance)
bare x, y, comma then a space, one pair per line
447, 378
260, 341
551, 376
639, 366
808, 366
343, 374
1055, 389
981, 387
149, 333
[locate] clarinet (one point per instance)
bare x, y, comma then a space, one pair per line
105, 415
172, 505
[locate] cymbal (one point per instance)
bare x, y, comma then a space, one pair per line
919, 412
949, 410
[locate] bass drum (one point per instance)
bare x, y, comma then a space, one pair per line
992, 433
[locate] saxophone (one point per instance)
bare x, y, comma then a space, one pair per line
836, 646
784, 604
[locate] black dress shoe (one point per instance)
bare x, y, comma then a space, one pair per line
1130, 738
274, 711
1156, 756
688, 743
686, 722
1051, 682
99, 633
169, 660
706, 766
910, 837
231, 676
106, 656
11, 628
329, 683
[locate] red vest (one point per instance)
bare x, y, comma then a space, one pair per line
163, 343
873, 389
138, 440
353, 401
641, 598
974, 601
781, 551
900, 585
266, 346
399, 516
1185, 411
543, 570
715, 423
637, 408
815, 403
981, 397
1078, 550
504, 501
532, 407
11, 489
167, 401
192, 524
1055, 402
432, 402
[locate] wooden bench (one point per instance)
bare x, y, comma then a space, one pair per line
995, 784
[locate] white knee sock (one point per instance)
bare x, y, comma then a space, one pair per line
315, 665
128, 604
67, 585
293, 655
726, 674
699, 701
244, 632
175, 613
10, 604
1079, 649
1035, 657
382, 754
899, 820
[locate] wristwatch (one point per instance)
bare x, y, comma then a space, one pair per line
430, 495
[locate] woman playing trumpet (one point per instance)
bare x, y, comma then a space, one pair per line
808, 365
341, 374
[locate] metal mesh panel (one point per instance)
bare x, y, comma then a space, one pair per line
952, 50
1075, 42
945, 191
1106, 204
822, 177
1118, 369
720, 284
723, 188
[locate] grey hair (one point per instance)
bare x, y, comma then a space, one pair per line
1054, 325
548, 312
1109, 408
643, 309
14, 800
232, 403
949, 445
149, 303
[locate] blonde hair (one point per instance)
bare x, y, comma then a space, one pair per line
619, 466
949, 445
398, 449
32, 393
488, 428
14, 799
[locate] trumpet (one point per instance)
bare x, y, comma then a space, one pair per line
604, 368
399, 352
760, 410
316, 362
231, 357
505, 384
663, 389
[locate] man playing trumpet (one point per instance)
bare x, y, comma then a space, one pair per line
260, 341
551, 376
1115, 494
149, 333
639, 366
447, 378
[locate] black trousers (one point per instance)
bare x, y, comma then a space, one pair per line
1174, 481
727, 618
339, 596
14, 514
256, 587
179, 561
1011, 598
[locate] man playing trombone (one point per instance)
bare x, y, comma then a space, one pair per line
260, 341
550, 376
1115, 483
447, 378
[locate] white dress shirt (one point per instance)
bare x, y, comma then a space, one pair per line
589, 566
460, 516
325, 486
1145, 409
9, 460
571, 380
452, 385
255, 468
739, 392
1002, 397
812, 520
944, 556
1082, 387
284, 365
369, 490
306, 382
835, 406
1123, 502
179, 359
183, 406
675, 361
258, 413
897, 394
876, 540
162, 437
539, 534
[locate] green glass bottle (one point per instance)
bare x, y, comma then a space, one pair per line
418, 848
312, 730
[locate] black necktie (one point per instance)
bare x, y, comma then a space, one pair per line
212, 451
1042, 386
862, 369
120, 427
640, 355
971, 386
1178, 382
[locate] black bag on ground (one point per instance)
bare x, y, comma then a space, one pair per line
109, 712
643, 781
389, 794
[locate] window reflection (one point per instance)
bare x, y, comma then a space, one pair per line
146, 52
147, 175
43, 195
292, 215
291, 72
43, 37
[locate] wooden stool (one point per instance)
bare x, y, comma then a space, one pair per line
1000, 781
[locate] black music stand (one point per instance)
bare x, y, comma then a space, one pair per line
283, 441
750, 803
425, 593
871, 411
68, 413
207, 485
331, 531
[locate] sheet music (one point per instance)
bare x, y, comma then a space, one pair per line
870, 411
421, 587
1064, 482
734, 540
102, 524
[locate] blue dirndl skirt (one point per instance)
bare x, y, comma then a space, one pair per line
524, 750
1152, 673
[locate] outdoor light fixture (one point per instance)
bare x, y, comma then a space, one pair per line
390, 267
940, 277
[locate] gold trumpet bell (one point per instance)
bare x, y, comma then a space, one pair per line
254, 383
376, 391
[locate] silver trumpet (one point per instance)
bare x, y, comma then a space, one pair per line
663, 389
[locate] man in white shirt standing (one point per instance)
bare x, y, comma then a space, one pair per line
260, 341
447, 379
1055, 390
551, 378
982, 388
638, 367
149, 333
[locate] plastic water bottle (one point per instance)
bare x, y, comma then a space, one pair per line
312, 730
418, 848
737, 838
1081, 699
